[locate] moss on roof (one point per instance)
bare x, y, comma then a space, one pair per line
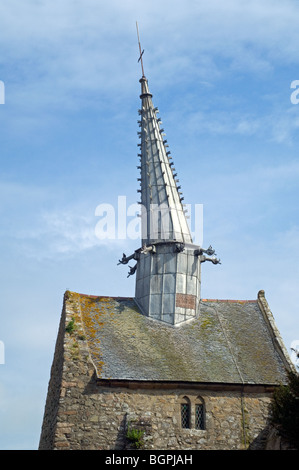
229, 343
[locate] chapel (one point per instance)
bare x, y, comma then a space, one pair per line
165, 368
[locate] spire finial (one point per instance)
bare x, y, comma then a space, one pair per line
141, 53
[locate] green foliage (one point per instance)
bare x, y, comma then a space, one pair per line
70, 327
136, 437
285, 409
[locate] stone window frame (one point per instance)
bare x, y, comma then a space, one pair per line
191, 401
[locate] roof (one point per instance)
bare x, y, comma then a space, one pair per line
230, 342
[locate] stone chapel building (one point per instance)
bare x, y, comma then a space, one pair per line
187, 372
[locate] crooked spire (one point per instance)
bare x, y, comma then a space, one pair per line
163, 213
162, 208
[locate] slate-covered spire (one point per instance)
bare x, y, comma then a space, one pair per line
163, 216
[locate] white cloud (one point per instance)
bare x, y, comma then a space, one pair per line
279, 125
74, 45
67, 56
64, 232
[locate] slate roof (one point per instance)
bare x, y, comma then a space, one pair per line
231, 342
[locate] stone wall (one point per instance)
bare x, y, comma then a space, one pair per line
97, 418
71, 370
52, 401
111, 412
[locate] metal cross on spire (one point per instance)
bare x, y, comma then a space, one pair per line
141, 52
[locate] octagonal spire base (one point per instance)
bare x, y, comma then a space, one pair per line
168, 283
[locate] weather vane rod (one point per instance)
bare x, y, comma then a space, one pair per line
141, 53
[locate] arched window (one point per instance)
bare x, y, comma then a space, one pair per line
200, 414
192, 412
185, 412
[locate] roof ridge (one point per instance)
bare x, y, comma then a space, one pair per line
229, 300
132, 298
104, 296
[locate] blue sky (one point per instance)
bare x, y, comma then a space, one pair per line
221, 74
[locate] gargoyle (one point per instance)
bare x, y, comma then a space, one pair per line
209, 251
132, 270
213, 260
125, 259
147, 249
